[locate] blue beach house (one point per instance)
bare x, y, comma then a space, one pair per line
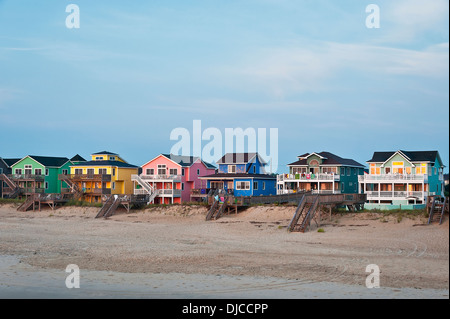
242, 174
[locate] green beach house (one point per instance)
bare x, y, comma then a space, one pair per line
39, 174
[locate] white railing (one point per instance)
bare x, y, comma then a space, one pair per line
392, 177
308, 177
290, 191
174, 178
395, 194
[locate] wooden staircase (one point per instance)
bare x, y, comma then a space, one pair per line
304, 214
109, 207
29, 202
437, 210
76, 192
15, 190
217, 209
298, 213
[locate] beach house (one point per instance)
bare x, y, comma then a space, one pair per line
39, 174
170, 178
242, 174
105, 174
324, 173
402, 179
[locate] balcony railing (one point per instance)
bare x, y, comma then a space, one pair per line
29, 177
87, 177
160, 192
96, 191
308, 177
172, 178
392, 177
395, 194
291, 191
200, 192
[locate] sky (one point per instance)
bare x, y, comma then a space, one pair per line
135, 71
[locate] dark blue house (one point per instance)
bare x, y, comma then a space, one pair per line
242, 174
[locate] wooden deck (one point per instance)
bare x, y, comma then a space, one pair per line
308, 204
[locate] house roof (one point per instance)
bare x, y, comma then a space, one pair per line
237, 175
239, 158
413, 156
186, 161
105, 163
328, 159
10, 161
50, 161
105, 153
77, 158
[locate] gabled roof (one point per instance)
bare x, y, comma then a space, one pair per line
186, 161
412, 156
50, 161
183, 161
328, 159
105, 163
77, 158
239, 158
105, 153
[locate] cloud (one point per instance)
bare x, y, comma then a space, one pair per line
313, 67
407, 21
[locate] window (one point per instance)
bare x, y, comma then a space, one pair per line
173, 171
231, 168
90, 171
264, 185
182, 171
198, 171
254, 169
150, 171
343, 171
387, 170
329, 170
349, 171
299, 170
243, 185
102, 171
78, 171
1, 170
113, 185
65, 171
46, 172
46, 185
161, 169
37, 171
112, 158
397, 167
182, 186
255, 185
18, 171
408, 170
28, 170
99, 158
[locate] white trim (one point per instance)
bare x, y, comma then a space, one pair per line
158, 157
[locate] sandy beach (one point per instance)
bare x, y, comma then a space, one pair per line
253, 245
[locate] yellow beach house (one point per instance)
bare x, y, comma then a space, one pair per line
105, 174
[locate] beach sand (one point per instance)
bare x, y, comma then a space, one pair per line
252, 245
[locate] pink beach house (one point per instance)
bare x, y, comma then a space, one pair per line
169, 179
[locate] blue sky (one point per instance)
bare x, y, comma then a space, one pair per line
136, 70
